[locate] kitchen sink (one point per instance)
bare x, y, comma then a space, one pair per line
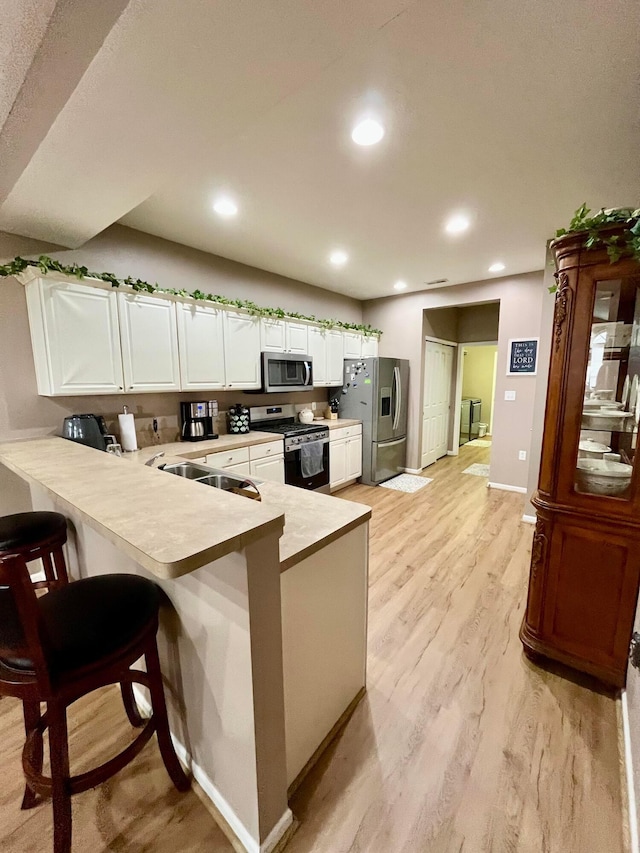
189, 470
214, 477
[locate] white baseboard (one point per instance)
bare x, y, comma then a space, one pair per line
453, 453
250, 844
413, 470
506, 488
628, 769
530, 519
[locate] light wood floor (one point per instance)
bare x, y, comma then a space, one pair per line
460, 746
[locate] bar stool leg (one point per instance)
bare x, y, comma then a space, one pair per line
130, 706
61, 795
171, 762
31, 723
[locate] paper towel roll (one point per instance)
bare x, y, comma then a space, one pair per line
128, 438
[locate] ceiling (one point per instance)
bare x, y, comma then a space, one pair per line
512, 113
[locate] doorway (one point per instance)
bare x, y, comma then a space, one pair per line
436, 400
477, 391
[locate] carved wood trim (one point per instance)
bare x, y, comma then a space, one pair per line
539, 548
563, 301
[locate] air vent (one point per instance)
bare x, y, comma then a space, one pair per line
437, 281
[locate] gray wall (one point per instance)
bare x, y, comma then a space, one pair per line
520, 299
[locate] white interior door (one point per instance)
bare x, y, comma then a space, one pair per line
436, 407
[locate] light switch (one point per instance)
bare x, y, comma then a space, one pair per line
509, 395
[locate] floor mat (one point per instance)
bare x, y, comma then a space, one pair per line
406, 483
480, 442
477, 469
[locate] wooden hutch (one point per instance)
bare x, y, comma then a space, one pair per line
585, 564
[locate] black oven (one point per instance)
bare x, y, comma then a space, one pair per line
306, 462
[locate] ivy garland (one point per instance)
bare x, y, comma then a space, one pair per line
46, 265
617, 245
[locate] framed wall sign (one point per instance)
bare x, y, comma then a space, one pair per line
523, 357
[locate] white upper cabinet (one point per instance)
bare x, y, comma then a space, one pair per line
335, 356
201, 346
272, 334
283, 336
242, 350
318, 352
369, 347
297, 337
352, 345
75, 338
149, 343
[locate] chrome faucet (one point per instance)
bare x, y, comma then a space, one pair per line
155, 456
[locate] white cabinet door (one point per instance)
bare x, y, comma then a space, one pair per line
271, 468
354, 457
297, 338
201, 346
337, 462
241, 350
243, 469
318, 352
335, 356
369, 347
149, 336
272, 335
75, 337
352, 345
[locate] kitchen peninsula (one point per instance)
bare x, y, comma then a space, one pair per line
263, 638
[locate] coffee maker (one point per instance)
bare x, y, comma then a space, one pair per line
197, 421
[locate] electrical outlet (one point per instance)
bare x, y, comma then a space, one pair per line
313, 406
509, 395
522, 455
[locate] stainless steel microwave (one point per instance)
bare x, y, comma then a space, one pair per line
285, 371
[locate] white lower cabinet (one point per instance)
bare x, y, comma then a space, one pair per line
149, 336
264, 461
271, 468
345, 456
243, 469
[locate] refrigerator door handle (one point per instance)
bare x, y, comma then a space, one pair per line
397, 387
392, 442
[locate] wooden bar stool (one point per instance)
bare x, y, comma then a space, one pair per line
37, 536
58, 647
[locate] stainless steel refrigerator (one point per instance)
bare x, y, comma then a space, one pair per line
375, 391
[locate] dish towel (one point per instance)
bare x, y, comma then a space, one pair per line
311, 461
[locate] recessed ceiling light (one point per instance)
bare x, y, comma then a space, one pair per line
224, 206
400, 285
338, 258
367, 132
497, 267
457, 224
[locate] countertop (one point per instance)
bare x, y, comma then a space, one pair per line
198, 449
172, 526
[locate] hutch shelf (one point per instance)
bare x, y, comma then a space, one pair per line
585, 563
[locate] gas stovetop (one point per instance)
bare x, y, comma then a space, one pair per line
287, 429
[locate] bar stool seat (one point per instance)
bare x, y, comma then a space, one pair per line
37, 536
23, 531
